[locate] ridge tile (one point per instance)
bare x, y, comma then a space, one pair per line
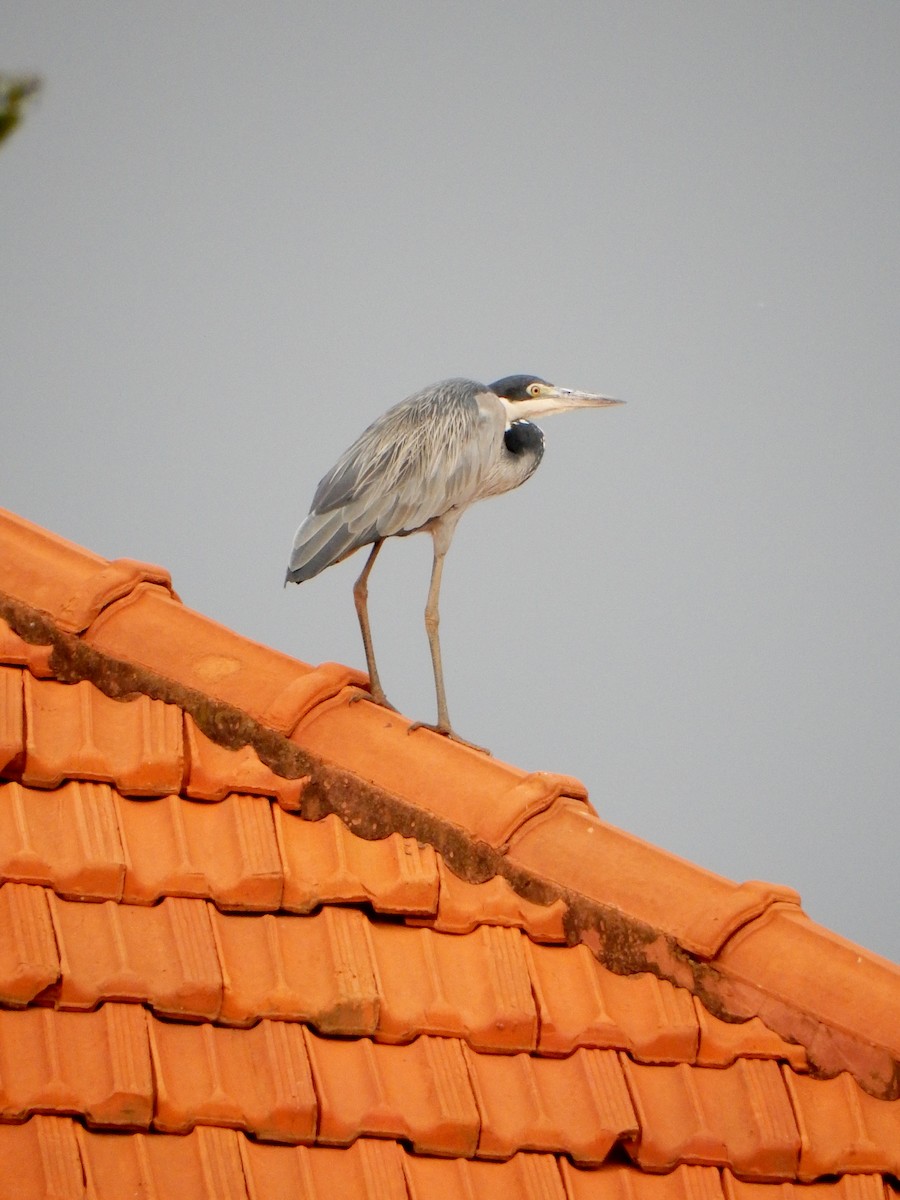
621, 1182
577, 1105
162, 955
324, 863
483, 795
60, 578
419, 1091
581, 1003
225, 852
202, 1164
738, 1117
29, 962
813, 984
369, 1170
253, 1079
40, 1160
95, 1064
66, 839
842, 1128
474, 986
74, 731
698, 909
151, 629
317, 969
523, 1177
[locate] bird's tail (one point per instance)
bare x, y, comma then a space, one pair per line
322, 539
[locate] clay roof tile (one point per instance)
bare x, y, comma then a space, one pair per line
41, 1157
75, 732
67, 839
57, 577
258, 939
697, 908
29, 962
317, 969
94, 1064
205, 1163
578, 1105
738, 1117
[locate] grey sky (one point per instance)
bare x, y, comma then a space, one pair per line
231, 234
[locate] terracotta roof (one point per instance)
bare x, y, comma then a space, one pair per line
255, 940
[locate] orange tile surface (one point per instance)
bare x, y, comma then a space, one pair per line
12, 728
324, 863
225, 851
39, 1160
164, 956
15, 651
847, 1187
67, 839
255, 1079
463, 906
623, 1183
773, 962
318, 969
524, 1177
206, 1163
419, 1092
94, 1064
74, 731
366, 1169
841, 1128
376, 745
57, 577
474, 987
213, 771
697, 908
723, 1042
738, 1117
577, 1105
28, 959
204, 994
151, 628
581, 1004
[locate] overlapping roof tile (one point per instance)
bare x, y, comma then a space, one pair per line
256, 940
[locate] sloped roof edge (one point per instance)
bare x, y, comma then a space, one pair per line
743, 975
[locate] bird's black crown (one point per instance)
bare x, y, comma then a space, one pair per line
515, 387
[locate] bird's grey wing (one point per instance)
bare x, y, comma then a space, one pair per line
421, 458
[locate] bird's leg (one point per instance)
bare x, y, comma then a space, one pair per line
361, 600
432, 624
441, 533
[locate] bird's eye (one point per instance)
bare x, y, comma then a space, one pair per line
534, 389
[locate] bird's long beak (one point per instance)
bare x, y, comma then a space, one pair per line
563, 399
554, 400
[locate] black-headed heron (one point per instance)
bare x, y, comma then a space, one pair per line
419, 467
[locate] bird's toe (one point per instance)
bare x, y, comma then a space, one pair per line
376, 695
447, 732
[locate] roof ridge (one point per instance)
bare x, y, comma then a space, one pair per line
734, 963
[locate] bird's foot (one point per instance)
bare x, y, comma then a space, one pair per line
376, 695
447, 732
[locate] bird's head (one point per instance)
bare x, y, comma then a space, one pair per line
527, 396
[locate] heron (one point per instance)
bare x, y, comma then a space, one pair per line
416, 469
